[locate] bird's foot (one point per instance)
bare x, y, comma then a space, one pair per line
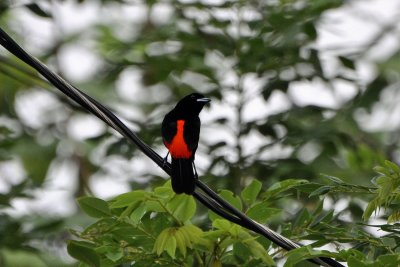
195, 172
165, 160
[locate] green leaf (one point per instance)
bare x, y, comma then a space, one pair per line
303, 216
354, 262
259, 252
241, 251
127, 199
389, 260
228, 227
334, 179
114, 254
393, 166
371, 207
261, 212
282, 186
156, 222
231, 198
307, 188
382, 170
394, 217
94, 207
83, 251
170, 245
182, 241
348, 63
166, 241
182, 207
36, 9
154, 205
138, 213
250, 193
300, 254
222, 224
165, 191
159, 245
326, 218
320, 191
193, 235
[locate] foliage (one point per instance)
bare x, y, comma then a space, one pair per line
155, 227
144, 228
239, 53
387, 192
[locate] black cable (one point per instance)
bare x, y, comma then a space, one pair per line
215, 207
209, 198
261, 229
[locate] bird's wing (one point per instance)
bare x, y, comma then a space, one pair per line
191, 133
168, 129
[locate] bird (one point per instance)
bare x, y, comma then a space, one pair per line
180, 131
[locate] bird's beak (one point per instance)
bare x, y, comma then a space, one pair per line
204, 100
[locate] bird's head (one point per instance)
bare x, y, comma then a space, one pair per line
192, 104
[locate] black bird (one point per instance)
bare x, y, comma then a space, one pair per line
180, 131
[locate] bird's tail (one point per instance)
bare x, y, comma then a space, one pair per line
182, 178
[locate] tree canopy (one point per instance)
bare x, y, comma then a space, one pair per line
319, 173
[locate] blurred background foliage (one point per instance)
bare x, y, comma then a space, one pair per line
245, 55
